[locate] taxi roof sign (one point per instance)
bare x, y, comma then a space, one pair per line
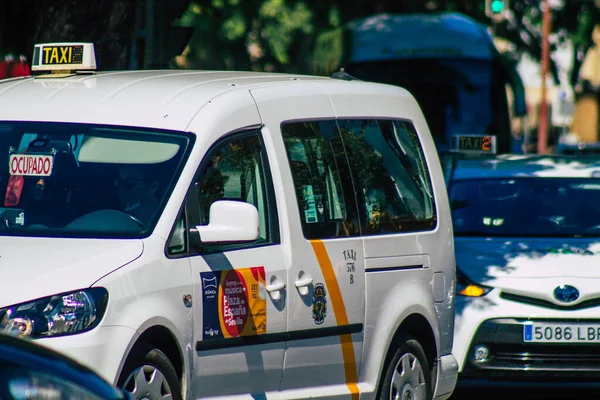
64, 57
474, 144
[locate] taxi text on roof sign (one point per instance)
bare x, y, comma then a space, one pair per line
67, 57
474, 144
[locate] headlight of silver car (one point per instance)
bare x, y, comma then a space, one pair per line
465, 287
62, 314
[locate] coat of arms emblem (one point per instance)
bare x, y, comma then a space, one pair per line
319, 304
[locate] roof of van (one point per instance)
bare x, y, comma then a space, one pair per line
128, 97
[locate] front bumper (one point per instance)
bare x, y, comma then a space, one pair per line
447, 375
497, 321
102, 349
512, 358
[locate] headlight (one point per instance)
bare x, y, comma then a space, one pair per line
465, 287
24, 385
61, 314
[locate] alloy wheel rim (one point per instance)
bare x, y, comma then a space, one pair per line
148, 383
408, 379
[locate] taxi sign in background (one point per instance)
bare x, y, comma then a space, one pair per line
482, 144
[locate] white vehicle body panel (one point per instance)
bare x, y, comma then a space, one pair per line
397, 278
522, 274
405, 253
38, 261
302, 369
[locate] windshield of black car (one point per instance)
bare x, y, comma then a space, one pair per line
76, 180
538, 207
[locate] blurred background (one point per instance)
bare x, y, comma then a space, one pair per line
551, 65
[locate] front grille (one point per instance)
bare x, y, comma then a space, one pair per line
511, 358
529, 376
536, 363
541, 356
547, 304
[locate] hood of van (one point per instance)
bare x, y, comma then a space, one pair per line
496, 261
31, 268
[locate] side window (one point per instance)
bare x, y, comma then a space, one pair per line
319, 167
178, 240
237, 169
391, 174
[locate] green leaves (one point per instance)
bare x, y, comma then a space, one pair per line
281, 24
234, 27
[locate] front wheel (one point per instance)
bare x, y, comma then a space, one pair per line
408, 375
149, 375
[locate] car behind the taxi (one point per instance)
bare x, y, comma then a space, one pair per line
527, 236
31, 371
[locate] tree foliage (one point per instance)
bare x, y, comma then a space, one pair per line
108, 24
287, 35
574, 20
252, 34
271, 35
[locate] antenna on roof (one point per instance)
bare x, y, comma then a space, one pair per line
343, 75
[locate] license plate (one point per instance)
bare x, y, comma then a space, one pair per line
561, 333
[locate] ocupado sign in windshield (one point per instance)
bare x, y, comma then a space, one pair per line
30, 165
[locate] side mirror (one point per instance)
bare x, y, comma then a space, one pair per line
230, 221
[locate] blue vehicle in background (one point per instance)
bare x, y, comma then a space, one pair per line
448, 61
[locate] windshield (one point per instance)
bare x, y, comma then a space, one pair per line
75, 180
538, 207
457, 96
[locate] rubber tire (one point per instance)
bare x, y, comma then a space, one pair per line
407, 345
148, 355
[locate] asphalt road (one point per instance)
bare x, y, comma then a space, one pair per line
521, 392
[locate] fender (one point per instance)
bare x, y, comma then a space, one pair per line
405, 299
148, 313
137, 302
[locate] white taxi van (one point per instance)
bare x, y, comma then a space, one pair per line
194, 234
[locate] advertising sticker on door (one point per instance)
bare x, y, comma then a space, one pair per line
234, 303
